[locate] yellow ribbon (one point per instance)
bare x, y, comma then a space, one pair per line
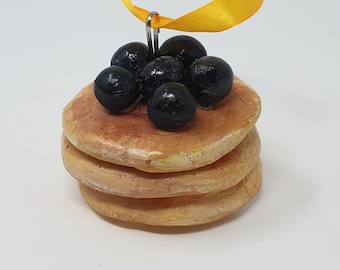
215, 16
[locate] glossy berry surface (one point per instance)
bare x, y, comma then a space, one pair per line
116, 89
171, 106
161, 70
183, 48
211, 79
132, 56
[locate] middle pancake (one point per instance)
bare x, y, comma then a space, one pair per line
130, 182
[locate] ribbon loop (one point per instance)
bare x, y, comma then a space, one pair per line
215, 16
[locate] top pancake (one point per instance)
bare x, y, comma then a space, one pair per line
132, 140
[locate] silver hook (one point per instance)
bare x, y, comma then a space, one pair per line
153, 44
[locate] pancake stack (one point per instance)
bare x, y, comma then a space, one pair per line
127, 169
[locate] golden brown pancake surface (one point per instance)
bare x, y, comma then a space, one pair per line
132, 140
130, 182
176, 211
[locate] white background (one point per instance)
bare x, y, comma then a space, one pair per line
289, 52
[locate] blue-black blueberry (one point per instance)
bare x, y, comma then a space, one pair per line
183, 48
171, 106
116, 89
133, 56
161, 70
211, 79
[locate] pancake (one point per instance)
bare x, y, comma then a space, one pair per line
176, 211
130, 182
132, 140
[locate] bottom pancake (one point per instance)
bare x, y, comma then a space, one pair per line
176, 211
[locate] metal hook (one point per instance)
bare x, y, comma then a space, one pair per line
152, 43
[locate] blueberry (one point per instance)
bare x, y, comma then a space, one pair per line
183, 48
116, 89
171, 106
132, 56
162, 69
211, 79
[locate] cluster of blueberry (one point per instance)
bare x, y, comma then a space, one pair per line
172, 83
